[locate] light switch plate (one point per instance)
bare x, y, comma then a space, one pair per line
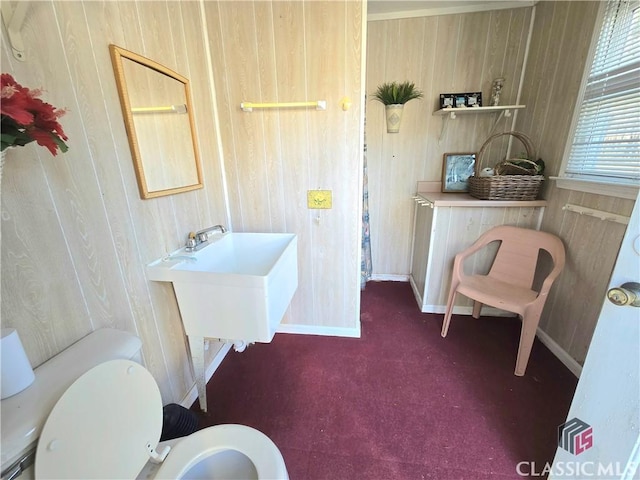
319, 198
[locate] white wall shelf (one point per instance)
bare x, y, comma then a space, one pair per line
503, 109
451, 114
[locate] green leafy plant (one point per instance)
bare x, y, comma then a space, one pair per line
394, 93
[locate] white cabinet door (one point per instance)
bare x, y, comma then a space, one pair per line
421, 248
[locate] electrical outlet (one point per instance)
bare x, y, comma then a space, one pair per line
319, 198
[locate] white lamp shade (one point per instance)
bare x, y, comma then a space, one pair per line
17, 373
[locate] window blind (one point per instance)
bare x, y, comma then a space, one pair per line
606, 143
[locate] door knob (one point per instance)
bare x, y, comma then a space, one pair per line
626, 294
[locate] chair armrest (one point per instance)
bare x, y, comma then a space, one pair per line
546, 284
558, 258
479, 244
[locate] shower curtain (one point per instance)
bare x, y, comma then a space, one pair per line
365, 267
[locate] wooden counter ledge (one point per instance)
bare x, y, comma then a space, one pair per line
440, 199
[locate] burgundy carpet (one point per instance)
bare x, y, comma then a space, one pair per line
401, 402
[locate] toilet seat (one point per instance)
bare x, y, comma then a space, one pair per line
103, 426
108, 425
199, 446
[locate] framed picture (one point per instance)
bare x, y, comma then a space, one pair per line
456, 169
460, 100
474, 99
447, 100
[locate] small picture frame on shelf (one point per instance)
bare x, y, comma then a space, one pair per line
447, 100
456, 169
474, 99
461, 100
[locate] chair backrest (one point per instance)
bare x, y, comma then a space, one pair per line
517, 256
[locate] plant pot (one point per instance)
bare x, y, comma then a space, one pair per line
394, 117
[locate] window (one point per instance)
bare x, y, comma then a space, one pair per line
606, 143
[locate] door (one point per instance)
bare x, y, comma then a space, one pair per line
601, 438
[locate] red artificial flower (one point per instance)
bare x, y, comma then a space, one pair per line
26, 118
15, 100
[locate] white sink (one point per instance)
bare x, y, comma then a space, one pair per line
238, 287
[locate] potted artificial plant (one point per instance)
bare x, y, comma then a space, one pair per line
394, 95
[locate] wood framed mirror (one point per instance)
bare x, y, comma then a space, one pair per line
157, 111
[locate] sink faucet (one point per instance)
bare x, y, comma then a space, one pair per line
197, 240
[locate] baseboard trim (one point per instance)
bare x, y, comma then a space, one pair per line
389, 277
416, 293
559, 352
192, 395
320, 330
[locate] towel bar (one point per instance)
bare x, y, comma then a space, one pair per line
249, 106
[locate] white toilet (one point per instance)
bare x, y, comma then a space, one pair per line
107, 424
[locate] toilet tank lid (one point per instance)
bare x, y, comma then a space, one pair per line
24, 414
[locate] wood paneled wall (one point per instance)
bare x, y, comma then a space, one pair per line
559, 47
441, 54
284, 52
75, 234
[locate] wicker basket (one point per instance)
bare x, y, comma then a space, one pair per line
506, 187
